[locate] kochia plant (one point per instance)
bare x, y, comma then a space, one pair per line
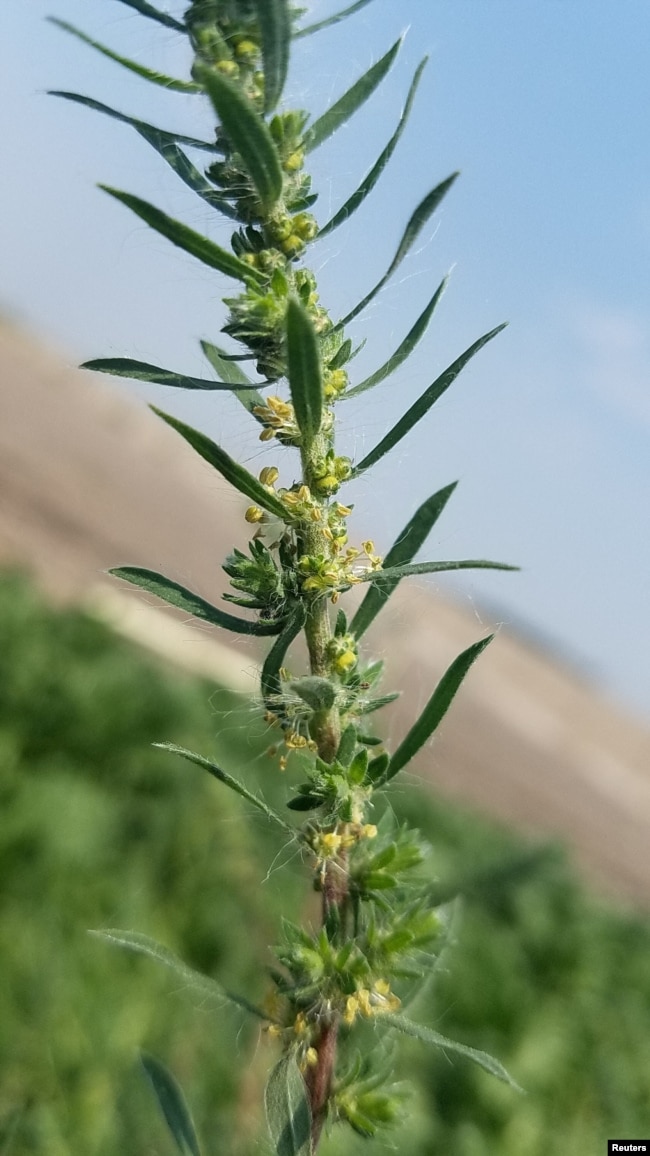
378, 934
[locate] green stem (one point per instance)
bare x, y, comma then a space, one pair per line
326, 732
326, 725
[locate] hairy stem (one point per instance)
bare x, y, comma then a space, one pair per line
326, 732
319, 1078
326, 725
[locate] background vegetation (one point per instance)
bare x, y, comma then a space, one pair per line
100, 830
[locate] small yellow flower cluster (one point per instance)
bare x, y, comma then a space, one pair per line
292, 740
269, 476
300, 1033
228, 68
335, 530
246, 49
300, 504
330, 472
370, 1002
255, 514
297, 742
323, 575
334, 383
291, 234
294, 161
342, 653
279, 420
327, 845
265, 261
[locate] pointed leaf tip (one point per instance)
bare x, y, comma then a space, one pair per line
223, 777
335, 19
415, 334
416, 223
401, 552
151, 74
237, 475
370, 180
143, 371
351, 101
185, 238
436, 708
424, 403
173, 1105
287, 1110
429, 1036
209, 989
175, 595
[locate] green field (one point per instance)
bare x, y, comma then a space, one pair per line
100, 830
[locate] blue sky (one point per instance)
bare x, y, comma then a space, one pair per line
543, 106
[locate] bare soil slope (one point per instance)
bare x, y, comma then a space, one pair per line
88, 480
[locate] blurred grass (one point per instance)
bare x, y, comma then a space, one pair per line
100, 830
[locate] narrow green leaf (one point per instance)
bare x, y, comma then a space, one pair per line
304, 371
428, 1036
274, 21
405, 547
166, 145
234, 785
172, 1104
436, 708
335, 19
270, 681
146, 73
405, 349
377, 768
343, 355
142, 371
190, 603
168, 149
305, 803
146, 9
374, 704
423, 403
237, 475
287, 1109
417, 221
370, 180
97, 106
185, 238
229, 371
389, 575
225, 366
248, 134
347, 105
347, 745
208, 989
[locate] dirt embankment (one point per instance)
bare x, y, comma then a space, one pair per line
89, 480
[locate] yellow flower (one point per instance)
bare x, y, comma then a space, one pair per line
269, 475
246, 48
330, 843
254, 514
351, 1009
279, 420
